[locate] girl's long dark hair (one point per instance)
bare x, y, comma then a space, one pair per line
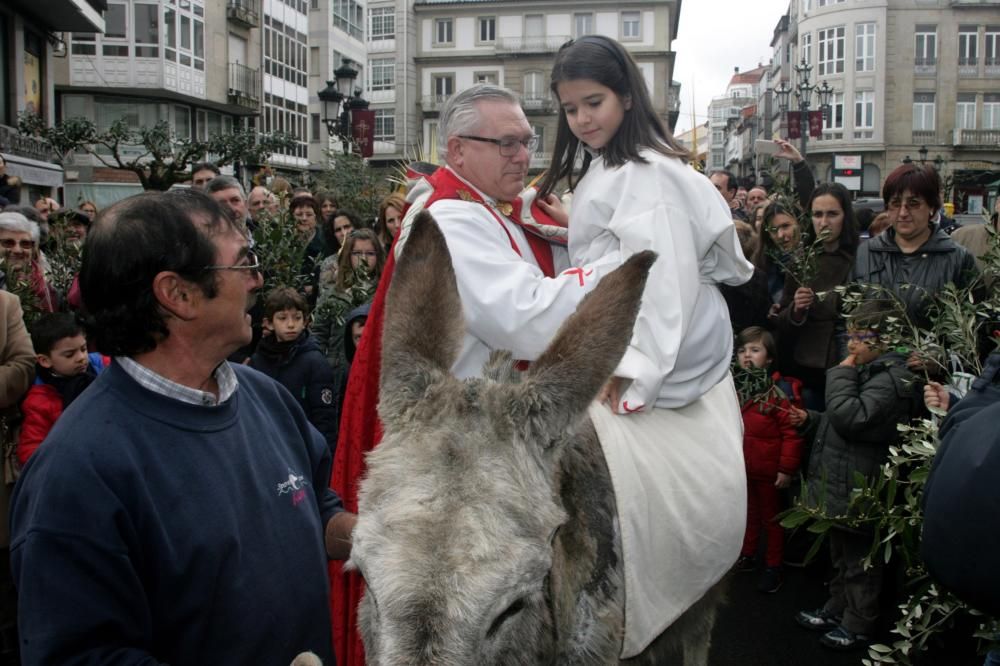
849, 235
605, 61
765, 242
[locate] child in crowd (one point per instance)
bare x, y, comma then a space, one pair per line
360, 266
867, 395
289, 355
63, 369
772, 450
353, 329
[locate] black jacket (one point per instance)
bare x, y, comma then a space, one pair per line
301, 368
863, 406
938, 261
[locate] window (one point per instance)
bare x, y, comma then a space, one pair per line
923, 112
583, 24
806, 6
631, 25
444, 86
381, 23
348, 15
991, 111
116, 28
83, 44
534, 27
385, 125
864, 47
147, 30
925, 45
383, 74
864, 109
965, 111
316, 128
805, 47
533, 94
831, 51
486, 77
539, 131
487, 29
968, 40
182, 122
827, 3
836, 119
991, 55
443, 31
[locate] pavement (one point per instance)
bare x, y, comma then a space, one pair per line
756, 629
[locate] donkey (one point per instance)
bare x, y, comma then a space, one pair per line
488, 529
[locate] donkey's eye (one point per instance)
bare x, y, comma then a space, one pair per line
510, 612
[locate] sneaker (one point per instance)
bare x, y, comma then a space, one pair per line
817, 620
842, 639
770, 580
745, 563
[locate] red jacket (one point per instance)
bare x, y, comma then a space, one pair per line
770, 442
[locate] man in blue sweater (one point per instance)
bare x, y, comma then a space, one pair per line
180, 511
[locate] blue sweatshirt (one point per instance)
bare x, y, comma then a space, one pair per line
148, 530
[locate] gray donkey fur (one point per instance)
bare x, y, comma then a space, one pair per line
488, 530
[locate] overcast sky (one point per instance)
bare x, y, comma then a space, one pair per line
715, 36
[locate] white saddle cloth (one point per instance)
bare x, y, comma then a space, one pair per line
680, 484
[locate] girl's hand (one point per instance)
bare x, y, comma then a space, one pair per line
784, 480
936, 398
772, 312
797, 416
554, 208
915, 363
612, 393
850, 362
802, 301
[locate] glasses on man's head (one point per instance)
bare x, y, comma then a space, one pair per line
364, 254
508, 145
251, 262
10, 244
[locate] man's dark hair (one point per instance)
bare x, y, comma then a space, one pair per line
204, 166
128, 245
50, 328
731, 183
284, 298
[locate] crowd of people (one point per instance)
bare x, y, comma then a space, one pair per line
834, 388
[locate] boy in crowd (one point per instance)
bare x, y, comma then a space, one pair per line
867, 395
289, 355
63, 369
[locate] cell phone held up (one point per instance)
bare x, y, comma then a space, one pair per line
765, 147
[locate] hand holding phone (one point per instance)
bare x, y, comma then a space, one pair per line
765, 147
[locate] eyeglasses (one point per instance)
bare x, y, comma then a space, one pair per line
913, 203
10, 244
508, 145
364, 253
252, 264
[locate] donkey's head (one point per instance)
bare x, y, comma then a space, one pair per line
460, 505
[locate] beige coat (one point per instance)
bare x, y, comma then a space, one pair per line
17, 371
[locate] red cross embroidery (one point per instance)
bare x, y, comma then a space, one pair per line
629, 410
578, 272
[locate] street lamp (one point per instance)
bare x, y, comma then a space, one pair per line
803, 98
339, 99
923, 155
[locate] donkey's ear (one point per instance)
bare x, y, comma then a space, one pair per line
567, 377
422, 333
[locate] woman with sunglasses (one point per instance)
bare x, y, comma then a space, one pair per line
359, 268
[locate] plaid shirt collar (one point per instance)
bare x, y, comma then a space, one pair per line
157, 383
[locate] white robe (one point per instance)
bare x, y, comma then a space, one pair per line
507, 301
677, 467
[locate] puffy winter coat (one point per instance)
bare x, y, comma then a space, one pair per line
938, 261
863, 407
302, 369
770, 442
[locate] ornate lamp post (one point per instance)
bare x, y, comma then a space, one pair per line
339, 99
803, 99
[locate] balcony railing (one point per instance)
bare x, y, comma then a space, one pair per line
433, 102
244, 85
987, 139
547, 44
537, 102
244, 12
925, 137
925, 65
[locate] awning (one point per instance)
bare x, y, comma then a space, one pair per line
62, 15
34, 172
